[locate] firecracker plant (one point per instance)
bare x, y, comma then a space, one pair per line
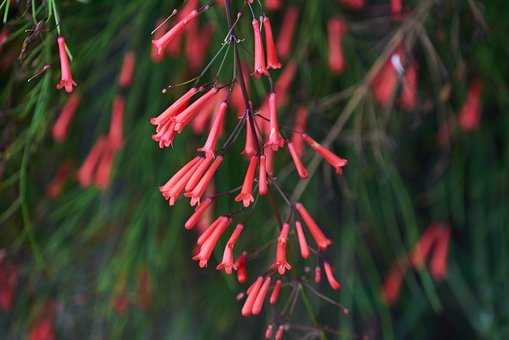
253, 169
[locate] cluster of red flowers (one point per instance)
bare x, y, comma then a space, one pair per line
263, 140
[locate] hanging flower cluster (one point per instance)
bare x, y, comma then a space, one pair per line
203, 105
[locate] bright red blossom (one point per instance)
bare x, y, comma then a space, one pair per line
259, 53
470, 114
281, 264
227, 264
215, 131
321, 240
303, 244
275, 292
301, 169
245, 194
163, 42
335, 161
66, 82
260, 297
336, 31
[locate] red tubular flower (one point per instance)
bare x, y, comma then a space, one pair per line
86, 172
330, 276
204, 236
54, 188
438, 265
335, 161
163, 42
275, 141
245, 194
198, 173
162, 26
250, 148
204, 182
279, 333
385, 82
215, 131
268, 332
321, 240
336, 31
318, 274
284, 44
165, 125
259, 54
66, 82
281, 265
183, 171
173, 47
253, 293
262, 179
102, 176
303, 244
353, 4
184, 117
396, 8
208, 246
409, 88
126, 72
61, 125
227, 264
8, 282
298, 128
172, 191
196, 216
178, 106
241, 267
275, 292
272, 58
301, 169
470, 114
260, 297
115, 137
392, 284
272, 5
